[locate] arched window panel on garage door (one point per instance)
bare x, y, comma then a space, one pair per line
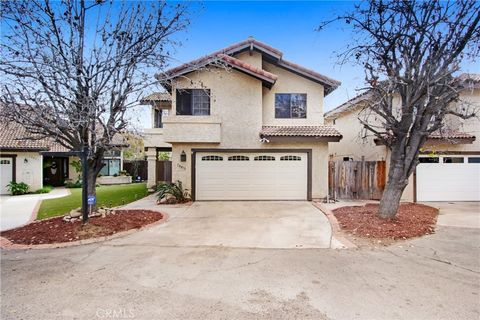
238, 158
264, 158
290, 158
212, 158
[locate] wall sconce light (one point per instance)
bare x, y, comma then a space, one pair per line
25, 160
183, 156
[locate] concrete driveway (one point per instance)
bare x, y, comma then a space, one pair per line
458, 214
238, 224
136, 277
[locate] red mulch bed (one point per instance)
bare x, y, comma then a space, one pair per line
56, 230
412, 220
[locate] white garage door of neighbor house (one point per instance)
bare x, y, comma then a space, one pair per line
448, 178
251, 176
6, 174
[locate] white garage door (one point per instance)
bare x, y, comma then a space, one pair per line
448, 178
251, 176
6, 174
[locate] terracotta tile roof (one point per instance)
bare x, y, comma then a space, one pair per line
226, 54
14, 136
242, 64
157, 96
299, 131
221, 57
450, 134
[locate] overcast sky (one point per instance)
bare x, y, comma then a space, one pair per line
287, 26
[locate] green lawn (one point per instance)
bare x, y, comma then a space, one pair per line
107, 196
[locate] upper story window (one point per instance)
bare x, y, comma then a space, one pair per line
157, 118
193, 102
291, 105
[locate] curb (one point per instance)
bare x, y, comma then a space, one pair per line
336, 231
6, 244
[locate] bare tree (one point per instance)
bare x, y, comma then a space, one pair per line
71, 69
410, 51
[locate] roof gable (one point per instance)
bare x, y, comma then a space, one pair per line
269, 54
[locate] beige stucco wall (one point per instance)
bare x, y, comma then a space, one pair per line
253, 58
288, 82
72, 174
356, 142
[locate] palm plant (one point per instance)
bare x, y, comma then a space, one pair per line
173, 190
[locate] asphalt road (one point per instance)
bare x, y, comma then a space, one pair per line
435, 277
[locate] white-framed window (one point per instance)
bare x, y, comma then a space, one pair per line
193, 102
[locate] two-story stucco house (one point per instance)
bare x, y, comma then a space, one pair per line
244, 124
449, 168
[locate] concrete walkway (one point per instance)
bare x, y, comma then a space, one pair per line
16, 211
237, 224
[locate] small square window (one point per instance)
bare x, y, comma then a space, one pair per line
428, 160
473, 159
452, 159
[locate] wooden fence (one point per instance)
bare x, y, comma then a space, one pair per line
164, 171
356, 179
138, 169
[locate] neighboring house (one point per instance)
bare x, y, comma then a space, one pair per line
243, 124
449, 168
39, 162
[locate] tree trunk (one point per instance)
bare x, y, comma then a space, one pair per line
393, 190
94, 167
91, 185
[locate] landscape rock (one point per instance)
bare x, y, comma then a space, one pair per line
75, 213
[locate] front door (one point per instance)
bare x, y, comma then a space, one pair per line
6, 174
55, 171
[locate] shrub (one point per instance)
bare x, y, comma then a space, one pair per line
45, 189
174, 190
17, 188
72, 185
